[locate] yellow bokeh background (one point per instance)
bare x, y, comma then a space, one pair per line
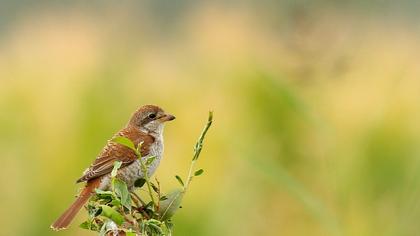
316, 128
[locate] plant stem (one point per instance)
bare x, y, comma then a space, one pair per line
197, 150
158, 193
135, 196
190, 176
146, 177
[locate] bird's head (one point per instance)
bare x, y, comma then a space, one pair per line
150, 119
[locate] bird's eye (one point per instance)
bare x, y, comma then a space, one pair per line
152, 116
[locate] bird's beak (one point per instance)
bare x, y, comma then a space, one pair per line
167, 117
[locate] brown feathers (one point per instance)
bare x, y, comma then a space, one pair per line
112, 152
145, 127
65, 219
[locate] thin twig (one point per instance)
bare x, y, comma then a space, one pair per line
146, 177
138, 198
197, 150
158, 193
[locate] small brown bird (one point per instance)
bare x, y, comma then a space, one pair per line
146, 127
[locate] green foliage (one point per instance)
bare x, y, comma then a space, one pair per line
124, 141
117, 165
112, 214
119, 211
199, 145
198, 172
171, 204
179, 180
120, 188
139, 183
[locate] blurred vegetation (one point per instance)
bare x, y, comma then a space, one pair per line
317, 109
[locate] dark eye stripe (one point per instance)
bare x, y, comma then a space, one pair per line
148, 118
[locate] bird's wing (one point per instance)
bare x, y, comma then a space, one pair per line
113, 152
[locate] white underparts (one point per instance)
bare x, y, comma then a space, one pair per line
132, 172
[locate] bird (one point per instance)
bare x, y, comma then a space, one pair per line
144, 128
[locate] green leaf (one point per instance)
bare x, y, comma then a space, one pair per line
99, 191
112, 214
125, 141
199, 145
115, 202
130, 234
93, 210
179, 180
169, 206
139, 183
120, 188
154, 187
198, 172
150, 160
85, 225
103, 193
169, 226
117, 165
89, 225
154, 226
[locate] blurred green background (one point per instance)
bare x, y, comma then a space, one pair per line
316, 107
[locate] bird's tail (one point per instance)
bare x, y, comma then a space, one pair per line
65, 219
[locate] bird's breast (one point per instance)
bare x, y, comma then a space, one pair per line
134, 171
